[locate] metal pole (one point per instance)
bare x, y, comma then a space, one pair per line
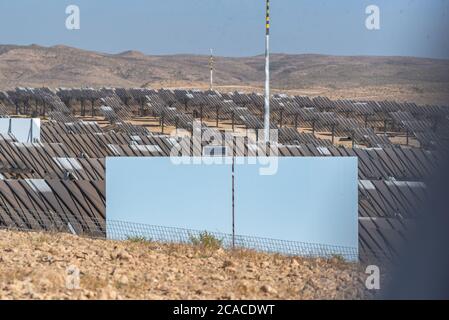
333, 134
162, 122
211, 66
31, 131
281, 118
218, 115
267, 76
233, 202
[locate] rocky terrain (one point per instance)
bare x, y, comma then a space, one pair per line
45, 266
425, 81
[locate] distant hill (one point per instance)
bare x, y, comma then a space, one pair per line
398, 78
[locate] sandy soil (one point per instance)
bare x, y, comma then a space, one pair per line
44, 266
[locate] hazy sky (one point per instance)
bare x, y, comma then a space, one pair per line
312, 200
232, 27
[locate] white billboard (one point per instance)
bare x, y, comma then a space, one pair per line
308, 199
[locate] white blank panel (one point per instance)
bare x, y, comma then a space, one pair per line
154, 191
309, 199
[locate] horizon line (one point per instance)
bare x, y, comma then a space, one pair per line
206, 54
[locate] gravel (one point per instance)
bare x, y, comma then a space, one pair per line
37, 265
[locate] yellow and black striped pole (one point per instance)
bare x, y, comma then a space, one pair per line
268, 18
267, 76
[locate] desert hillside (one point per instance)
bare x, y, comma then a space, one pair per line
424, 81
35, 266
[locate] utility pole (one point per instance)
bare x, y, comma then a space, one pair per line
267, 76
233, 201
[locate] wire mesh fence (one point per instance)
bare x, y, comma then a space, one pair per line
94, 227
36, 220
122, 230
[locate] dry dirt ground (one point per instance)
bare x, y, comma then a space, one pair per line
43, 266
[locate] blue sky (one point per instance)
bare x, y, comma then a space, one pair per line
232, 27
313, 200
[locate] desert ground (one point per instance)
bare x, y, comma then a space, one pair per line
37, 265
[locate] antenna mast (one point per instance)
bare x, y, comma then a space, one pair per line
211, 67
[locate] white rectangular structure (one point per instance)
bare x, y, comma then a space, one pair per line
308, 199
